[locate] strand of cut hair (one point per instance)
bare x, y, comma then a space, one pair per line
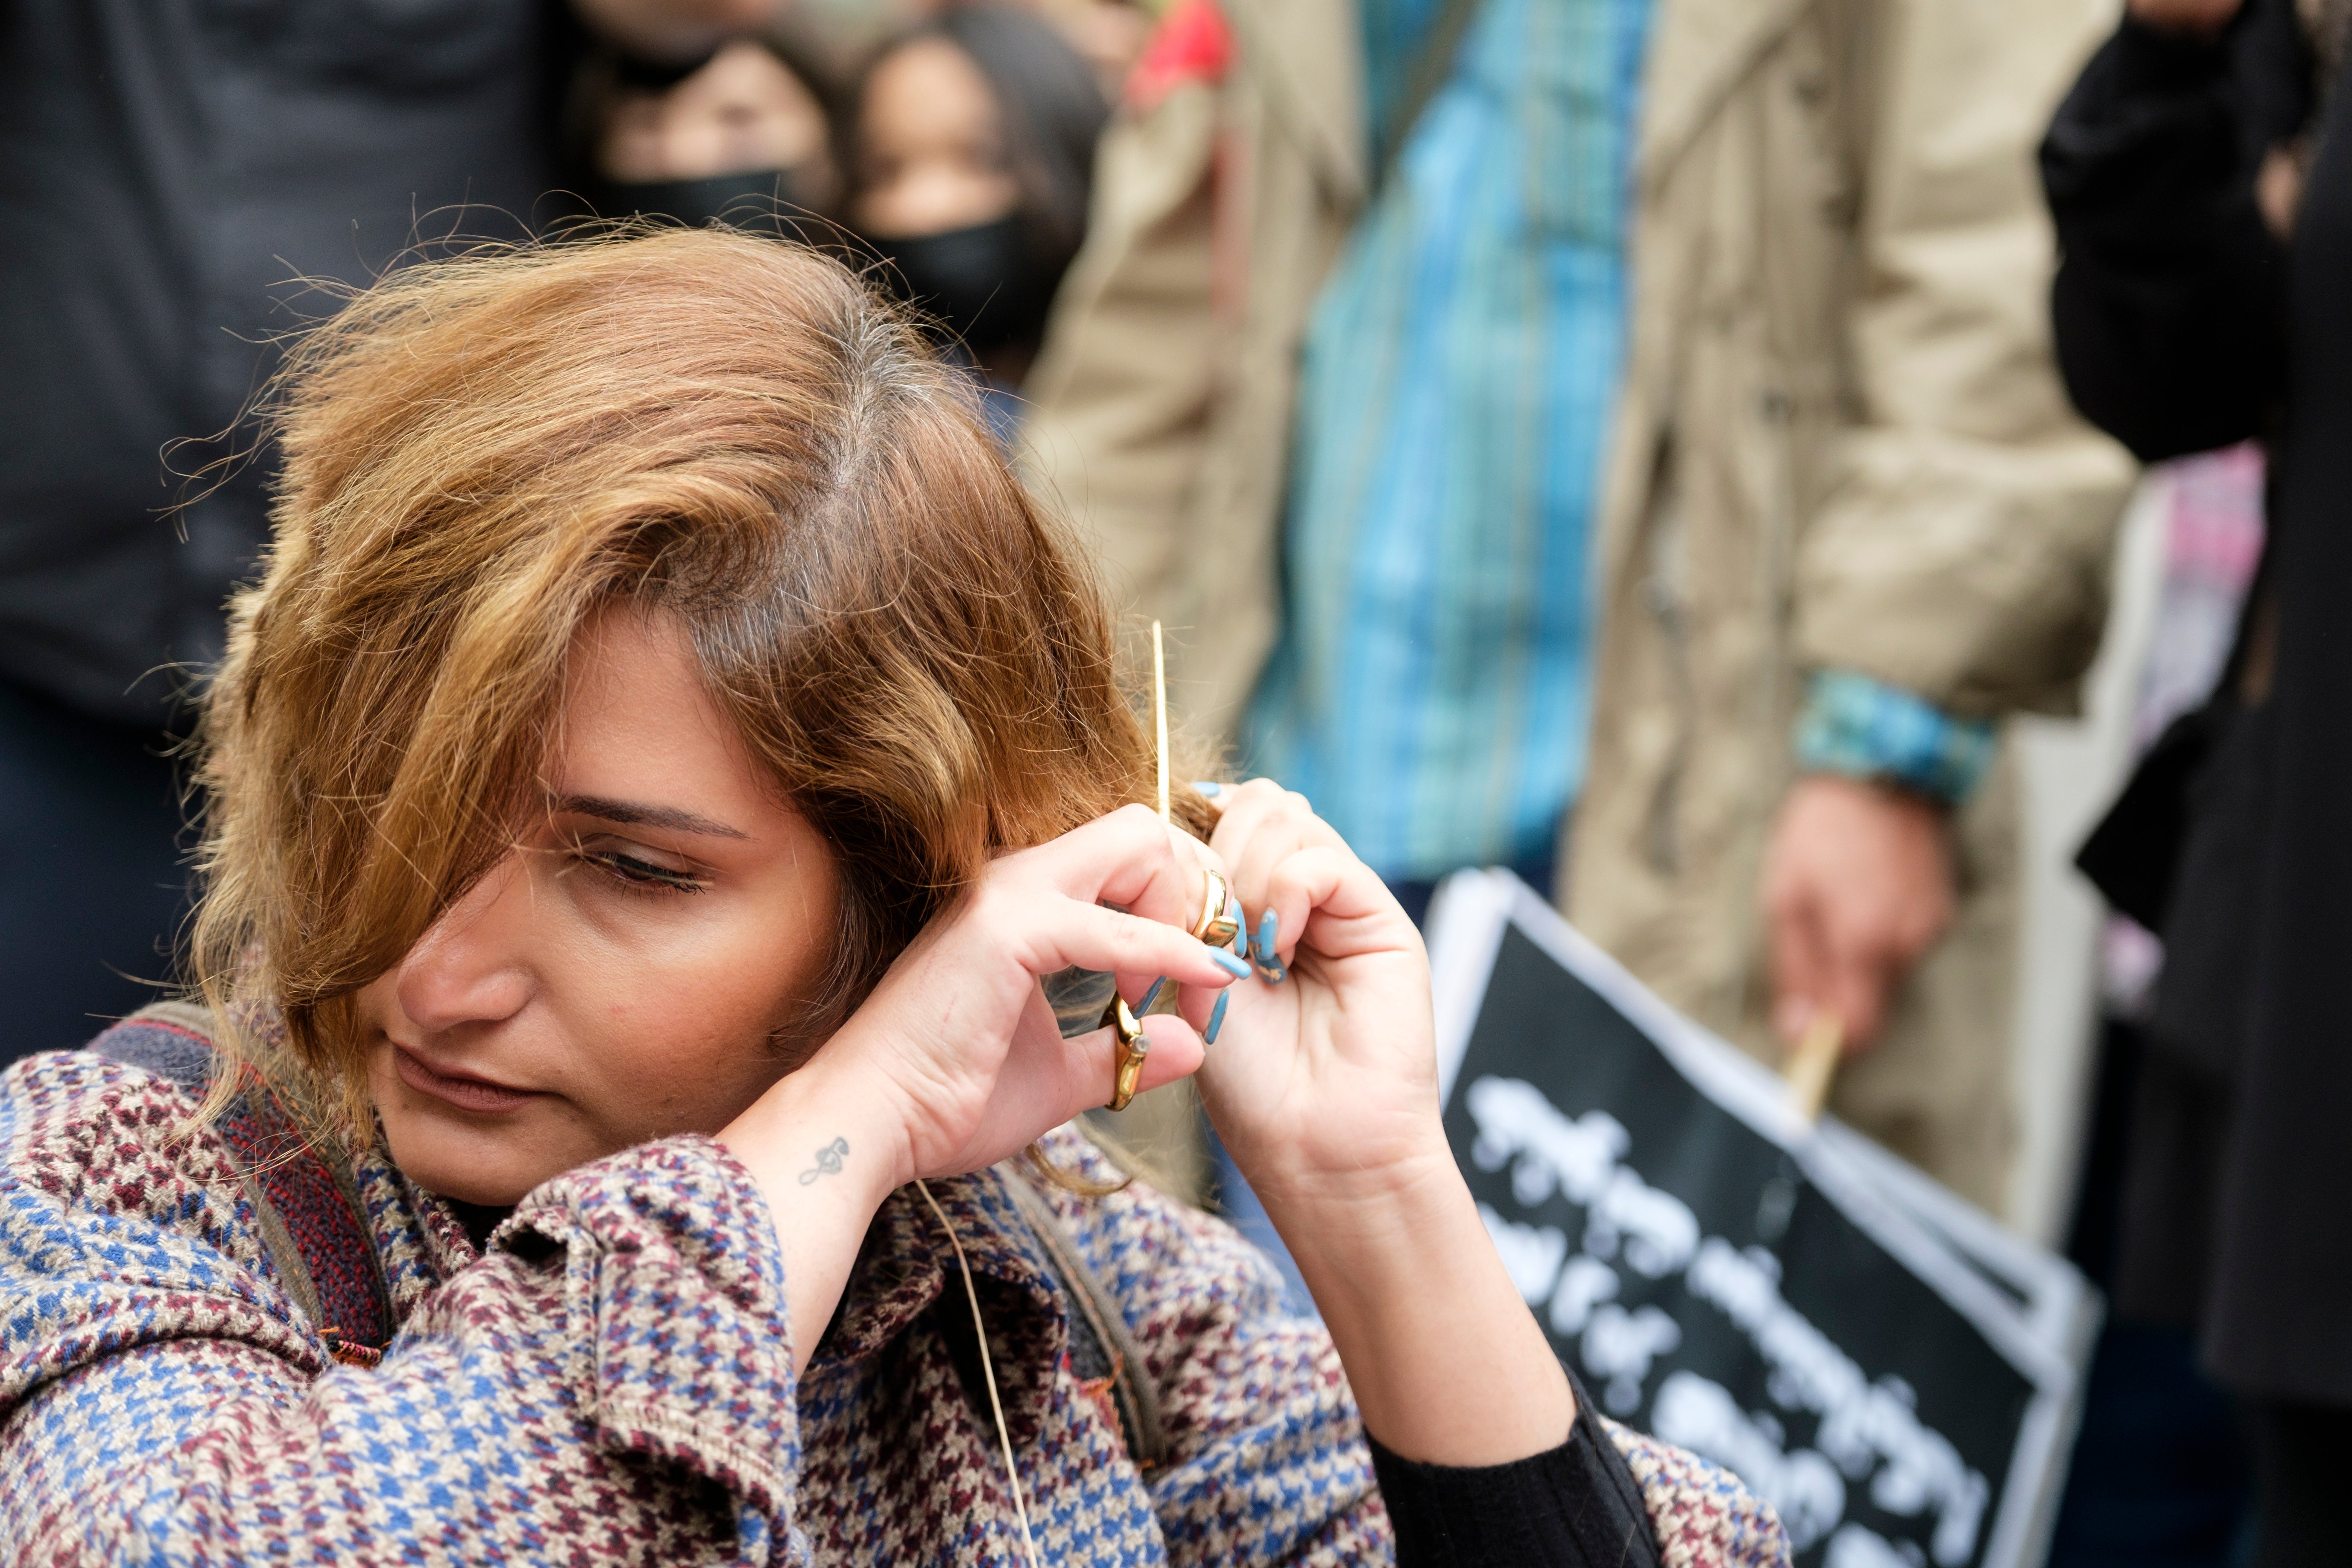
1159, 712
987, 1374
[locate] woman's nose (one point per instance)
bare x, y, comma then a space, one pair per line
471, 966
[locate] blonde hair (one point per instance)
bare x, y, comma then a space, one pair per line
479, 453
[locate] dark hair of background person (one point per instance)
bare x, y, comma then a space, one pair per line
1052, 112
795, 201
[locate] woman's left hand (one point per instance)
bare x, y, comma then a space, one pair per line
1323, 1083
1329, 1077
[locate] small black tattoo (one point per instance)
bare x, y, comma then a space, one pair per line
828, 1160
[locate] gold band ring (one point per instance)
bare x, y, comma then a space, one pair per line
1130, 1045
1221, 915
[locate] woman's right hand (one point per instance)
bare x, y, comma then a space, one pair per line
959, 1033
955, 1061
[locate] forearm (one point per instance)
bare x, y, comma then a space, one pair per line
824, 1153
1447, 1364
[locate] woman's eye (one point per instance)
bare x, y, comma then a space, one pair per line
636, 873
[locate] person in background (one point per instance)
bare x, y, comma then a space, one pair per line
2159, 1476
970, 153
2201, 173
173, 175
747, 136
629, 1016
1460, 380
1107, 34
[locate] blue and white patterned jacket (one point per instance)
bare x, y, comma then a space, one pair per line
612, 1383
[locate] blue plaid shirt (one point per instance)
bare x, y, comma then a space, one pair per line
1864, 728
1432, 688
1430, 692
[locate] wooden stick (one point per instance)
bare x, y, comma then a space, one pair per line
1159, 712
1809, 1066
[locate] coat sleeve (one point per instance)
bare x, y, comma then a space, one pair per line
1269, 1462
1961, 551
2169, 304
617, 1366
1118, 419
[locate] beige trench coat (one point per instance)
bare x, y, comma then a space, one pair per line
1840, 442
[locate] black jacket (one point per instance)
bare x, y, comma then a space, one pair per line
167, 169
2183, 324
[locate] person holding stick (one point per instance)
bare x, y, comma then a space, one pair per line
665, 754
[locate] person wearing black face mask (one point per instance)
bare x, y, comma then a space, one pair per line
743, 139
973, 140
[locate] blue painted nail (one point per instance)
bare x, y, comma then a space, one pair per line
1238, 968
1209, 787
1150, 996
1216, 1018
1269, 964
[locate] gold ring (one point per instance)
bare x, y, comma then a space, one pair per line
1132, 1045
1220, 918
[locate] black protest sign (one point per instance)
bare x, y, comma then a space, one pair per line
1726, 1280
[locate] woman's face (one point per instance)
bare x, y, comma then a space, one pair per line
743, 112
931, 142
617, 976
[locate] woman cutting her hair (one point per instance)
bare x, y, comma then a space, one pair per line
662, 758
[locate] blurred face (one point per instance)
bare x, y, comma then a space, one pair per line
743, 112
930, 142
617, 976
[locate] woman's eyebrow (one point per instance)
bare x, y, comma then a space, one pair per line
633, 814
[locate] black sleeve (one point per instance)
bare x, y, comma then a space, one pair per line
1575, 1506
2169, 299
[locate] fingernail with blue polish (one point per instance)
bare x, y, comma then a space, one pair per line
1237, 968
1216, 1018
1209, 787
1150, 996
1269, 964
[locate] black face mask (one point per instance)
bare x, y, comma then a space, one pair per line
758, 201
983, 285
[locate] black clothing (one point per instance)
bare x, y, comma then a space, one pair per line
2169, 301
1576, 1506
2158, 1478
91, 883
2182, 324
2301, 1456
166, 166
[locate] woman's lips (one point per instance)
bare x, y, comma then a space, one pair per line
467, 1093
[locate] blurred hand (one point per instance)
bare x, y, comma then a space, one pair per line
2197, 18
1857, 887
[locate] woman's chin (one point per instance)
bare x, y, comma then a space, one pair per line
471, 1165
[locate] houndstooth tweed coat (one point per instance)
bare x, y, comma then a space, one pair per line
612, 1381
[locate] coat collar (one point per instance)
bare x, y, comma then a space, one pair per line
906, 1269
1307, 57
1699, 50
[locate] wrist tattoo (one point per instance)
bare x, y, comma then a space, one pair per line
828, 1160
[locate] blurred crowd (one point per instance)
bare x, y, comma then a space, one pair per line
1657, 446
